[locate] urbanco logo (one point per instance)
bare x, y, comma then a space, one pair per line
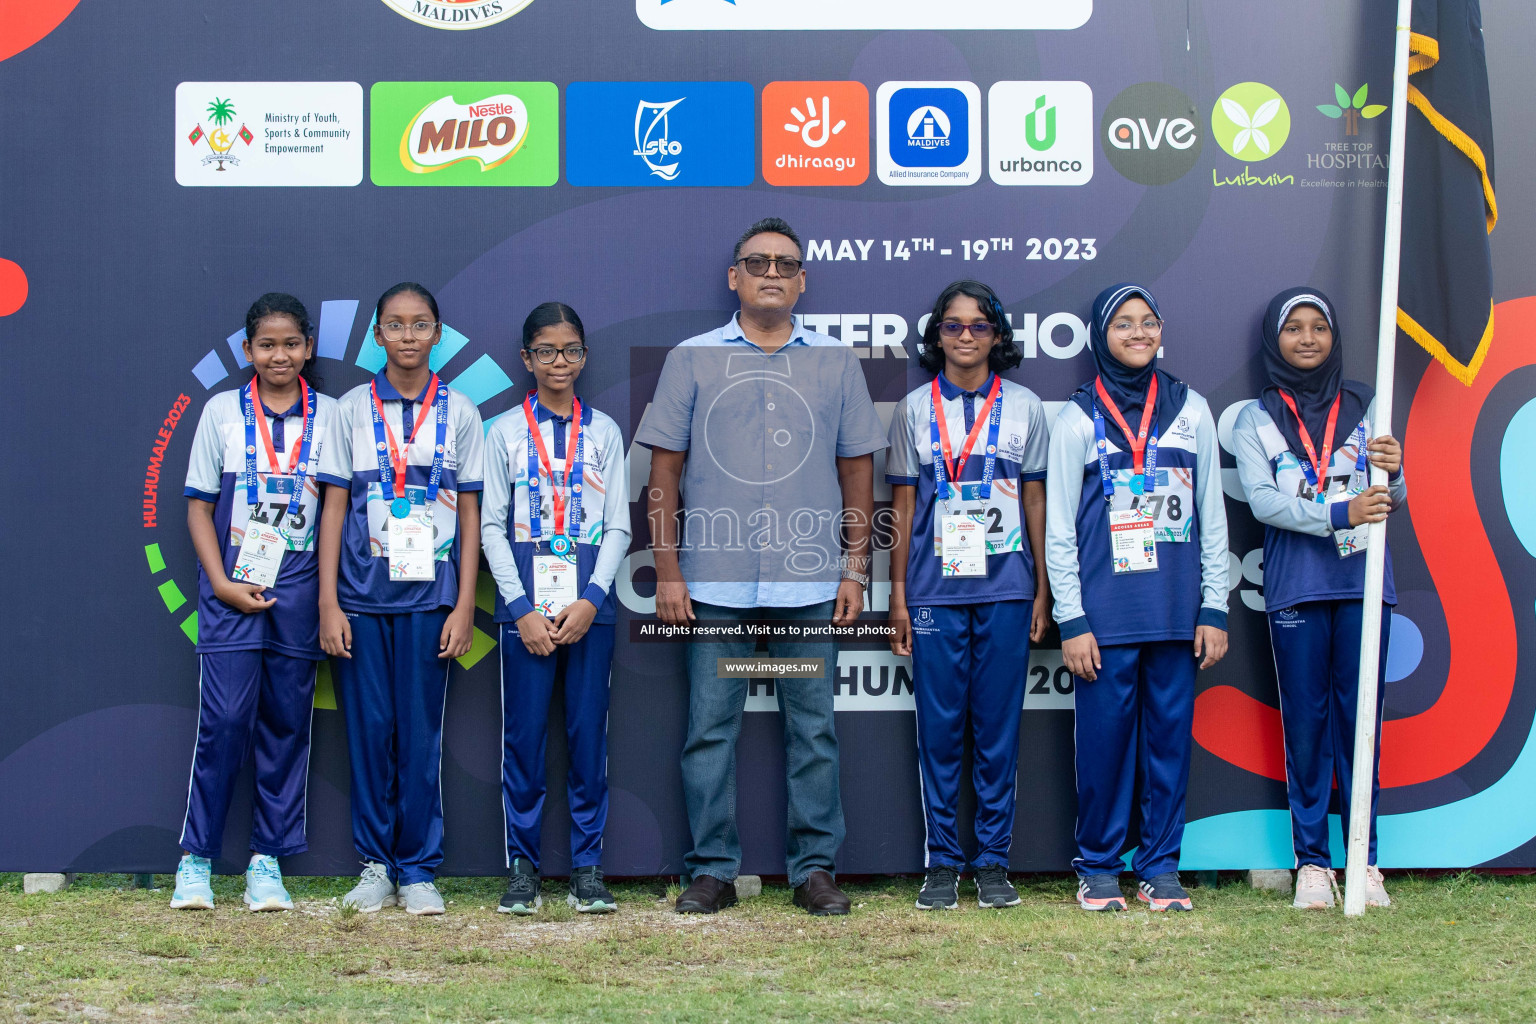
815, 133
1151, 133
464, 133
457, 14
928, 133
1040, 133
1251, 122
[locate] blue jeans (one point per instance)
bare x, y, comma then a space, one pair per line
810, 749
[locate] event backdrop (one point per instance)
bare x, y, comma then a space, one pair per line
164, 164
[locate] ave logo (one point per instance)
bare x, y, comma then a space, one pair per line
815, 133
1151, 133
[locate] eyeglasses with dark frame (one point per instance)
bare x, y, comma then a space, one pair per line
980, 331
547, 353
758, 266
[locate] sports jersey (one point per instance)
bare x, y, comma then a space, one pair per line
602, 540
1022, 447
1301, 562
352, 461
1189, 586
216, 474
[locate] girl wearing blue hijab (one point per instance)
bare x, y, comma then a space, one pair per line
1314, 520
1136, 547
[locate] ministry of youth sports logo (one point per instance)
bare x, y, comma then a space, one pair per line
457, 14
221, 114
653, 140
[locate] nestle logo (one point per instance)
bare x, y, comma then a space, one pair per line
492, 109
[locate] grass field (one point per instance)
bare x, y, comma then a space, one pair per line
1453, 948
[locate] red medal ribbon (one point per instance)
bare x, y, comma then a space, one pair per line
266, 433
545, 462
1318, 466
397, 458
953, 466
1137, 441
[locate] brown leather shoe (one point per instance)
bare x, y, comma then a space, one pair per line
820, 896
707, 895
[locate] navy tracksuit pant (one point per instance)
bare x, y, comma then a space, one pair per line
1134, 720
969, 664
1317, 661
527, 683
251, 704
393, 692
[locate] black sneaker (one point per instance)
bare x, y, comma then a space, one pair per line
1163, 892
1100, 892
588, 894
993, 888
522, 895
941, 889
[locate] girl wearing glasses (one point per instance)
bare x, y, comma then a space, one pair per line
967, 467
556, 529
1302, 458
252, 505
1136, 541
399, 552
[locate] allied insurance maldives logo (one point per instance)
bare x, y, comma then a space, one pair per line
457, 14
464, 133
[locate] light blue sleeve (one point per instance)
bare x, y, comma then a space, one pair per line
336, 454
1270, 505
205, 468
616, 529
668, 422
495, 512
1213, 522
1037, 443
469, 441
1063, 494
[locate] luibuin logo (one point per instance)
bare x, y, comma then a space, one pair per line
653, 142
1040, 139
1351, 108
1251, 122
447, 132
220, 142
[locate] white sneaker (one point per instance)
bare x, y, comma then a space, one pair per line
1315, 887
373, 890
264, 885
421, 898
194, 890
1375, 891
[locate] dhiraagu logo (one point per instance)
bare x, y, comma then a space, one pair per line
464, 133
1251, 122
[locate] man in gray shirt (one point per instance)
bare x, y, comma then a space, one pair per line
768, 430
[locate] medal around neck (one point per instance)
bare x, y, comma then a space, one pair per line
560, 544
400, 508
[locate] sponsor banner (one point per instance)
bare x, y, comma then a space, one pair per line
1040, 133
929, 133
464, 133
269, 133
660, 133
456, 14
876, 680
815, 133
866, 15
1151, 133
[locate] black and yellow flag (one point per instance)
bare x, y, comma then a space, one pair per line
1445, 291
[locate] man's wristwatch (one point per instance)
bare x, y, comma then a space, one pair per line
861, 578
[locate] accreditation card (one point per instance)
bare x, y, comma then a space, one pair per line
554, 584
411, 546
963, 544
261, 555
1132, 539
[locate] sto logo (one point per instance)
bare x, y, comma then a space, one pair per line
1479, 616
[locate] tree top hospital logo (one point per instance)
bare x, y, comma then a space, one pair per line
1151, 133
457, 14
1251, 122
660, 133
464, 133
1040, 133
815, 133
929, 133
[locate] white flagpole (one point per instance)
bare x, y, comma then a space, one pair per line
1364, 774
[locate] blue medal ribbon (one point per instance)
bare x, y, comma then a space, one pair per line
560, 543
939, 443
299, 467
383, 438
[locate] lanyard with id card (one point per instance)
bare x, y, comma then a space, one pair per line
412, 555
962, 534
1346, 542
1132, 531
554, 574
268, 536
